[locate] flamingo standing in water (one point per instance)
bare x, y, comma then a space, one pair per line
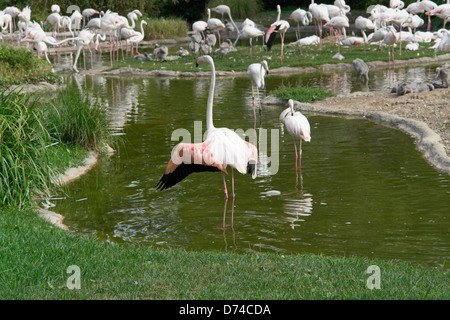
279, 26
298, 127
256, 72
221, 148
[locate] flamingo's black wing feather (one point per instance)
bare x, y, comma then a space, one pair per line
182, 171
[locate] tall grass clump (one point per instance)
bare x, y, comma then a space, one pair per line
240, 9
19, 65
23, 139
165, 28
74, 118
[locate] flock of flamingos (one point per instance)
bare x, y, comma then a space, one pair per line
222, 146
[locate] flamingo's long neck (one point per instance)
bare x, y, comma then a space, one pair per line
261, 70
142, 28
278, 12
209, 108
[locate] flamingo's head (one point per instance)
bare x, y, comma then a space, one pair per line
205, 58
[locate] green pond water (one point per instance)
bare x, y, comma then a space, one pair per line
366, 190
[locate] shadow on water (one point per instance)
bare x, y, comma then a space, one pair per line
366, 191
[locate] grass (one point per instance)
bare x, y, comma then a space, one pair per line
38, 141
77, 119
35, 258
23, 140
311, 57
20, 65
301, 94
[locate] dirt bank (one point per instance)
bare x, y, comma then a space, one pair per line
426, 116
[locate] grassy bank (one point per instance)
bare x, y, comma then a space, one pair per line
39, 140
311, 57
20, 65
35, 258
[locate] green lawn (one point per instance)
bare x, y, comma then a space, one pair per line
35, 258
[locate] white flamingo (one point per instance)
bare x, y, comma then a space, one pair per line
214, 24
221, 148
298, 127
256, 72
364, 24
300, 16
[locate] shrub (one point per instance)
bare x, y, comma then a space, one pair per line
240, 9
23, 139
77, 119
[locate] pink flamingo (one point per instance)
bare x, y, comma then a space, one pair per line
221, 148
279, 26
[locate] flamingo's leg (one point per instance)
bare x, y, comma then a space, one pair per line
233, 196
226, 199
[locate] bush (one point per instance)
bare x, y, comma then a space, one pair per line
240, 9
164, 28
19, 65
77, 119
23, 139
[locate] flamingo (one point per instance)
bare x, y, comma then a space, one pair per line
414, 8
87, 14
320, 15
55, 8
378, 36
200, 27
442, 11
301, 16
84, 38
400, 17
279, 26
338, 23
215, 25
13, 12
427, 6
364, 24
298, 127
66, 22
396, 4
341, 4
221, 148
76, 18
224, 9
256, 72
390, 39
444, 44
54, 19
249, 31
138, 37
